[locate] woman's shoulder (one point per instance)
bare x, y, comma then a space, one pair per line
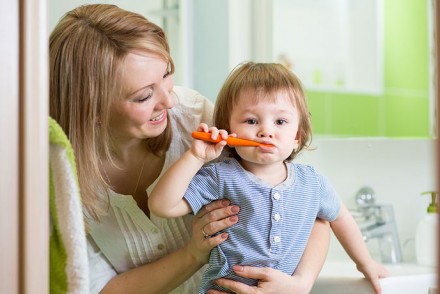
192, 107
189, 97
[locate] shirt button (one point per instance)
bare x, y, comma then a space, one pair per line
154, 230
277, 239
276, 196
277, 216
160, 246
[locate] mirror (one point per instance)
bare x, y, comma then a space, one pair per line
209, 37
333, 45
367, 65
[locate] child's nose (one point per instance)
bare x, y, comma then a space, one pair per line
264, 133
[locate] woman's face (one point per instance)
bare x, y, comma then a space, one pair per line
147, 86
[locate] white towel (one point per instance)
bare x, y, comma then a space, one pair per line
69, 270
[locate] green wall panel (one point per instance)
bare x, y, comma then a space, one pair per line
403, 108
359, 116
406, 44
407, 117
320, 112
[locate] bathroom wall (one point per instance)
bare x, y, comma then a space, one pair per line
58, 8
404, 108
211, 46
398, 170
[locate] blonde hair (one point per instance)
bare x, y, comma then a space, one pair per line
264, 79
86, 52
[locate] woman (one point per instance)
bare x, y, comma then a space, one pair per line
112, 92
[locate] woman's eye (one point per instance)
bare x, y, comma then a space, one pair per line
145, 98
167, 74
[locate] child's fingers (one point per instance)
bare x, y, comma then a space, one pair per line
223, 134
219, 146
376, 286
214, 132
203, 127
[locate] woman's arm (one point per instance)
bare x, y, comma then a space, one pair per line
274, 281
167, 273
161, 276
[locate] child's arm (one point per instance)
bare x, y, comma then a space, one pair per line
350, 237
166, 199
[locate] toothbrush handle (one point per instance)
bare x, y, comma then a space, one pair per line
231, 141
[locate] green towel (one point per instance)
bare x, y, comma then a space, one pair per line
69, 271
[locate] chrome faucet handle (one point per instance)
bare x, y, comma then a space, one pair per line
365, 197
380, 224
365, 201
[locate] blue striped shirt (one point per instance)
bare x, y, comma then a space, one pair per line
274, 222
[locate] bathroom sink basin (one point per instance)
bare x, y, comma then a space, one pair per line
405, 278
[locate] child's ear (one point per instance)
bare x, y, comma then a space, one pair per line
298, 139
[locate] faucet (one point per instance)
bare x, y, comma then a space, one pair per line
379, 223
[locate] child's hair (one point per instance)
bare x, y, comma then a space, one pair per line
264, 79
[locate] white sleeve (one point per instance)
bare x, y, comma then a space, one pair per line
100, 270
190, 110
192, 107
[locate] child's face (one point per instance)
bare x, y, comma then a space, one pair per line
271, 120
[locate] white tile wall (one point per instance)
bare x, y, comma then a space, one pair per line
398, 170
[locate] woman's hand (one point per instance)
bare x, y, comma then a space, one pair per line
270, 281
274, 281
210, 220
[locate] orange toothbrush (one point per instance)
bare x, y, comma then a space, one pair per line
231, 141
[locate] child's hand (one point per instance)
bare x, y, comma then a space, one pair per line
374, 271
207, 151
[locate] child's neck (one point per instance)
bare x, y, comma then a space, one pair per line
273, 173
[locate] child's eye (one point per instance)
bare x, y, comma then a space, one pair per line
281, 122
251, 121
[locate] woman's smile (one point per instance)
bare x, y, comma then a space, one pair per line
160, 118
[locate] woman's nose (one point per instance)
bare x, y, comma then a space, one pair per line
166, 98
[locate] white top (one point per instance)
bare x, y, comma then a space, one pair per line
126, 238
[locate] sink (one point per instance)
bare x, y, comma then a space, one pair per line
341, 277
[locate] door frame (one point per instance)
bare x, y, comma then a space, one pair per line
24, 204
